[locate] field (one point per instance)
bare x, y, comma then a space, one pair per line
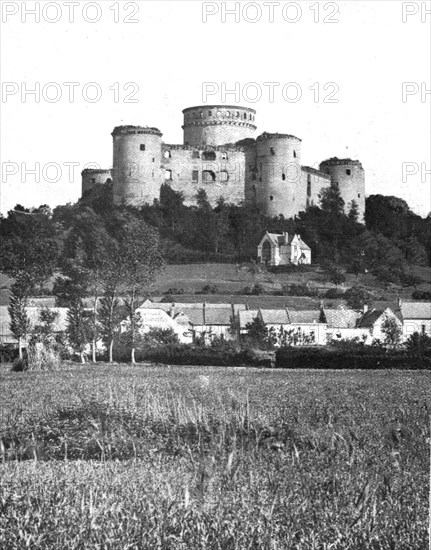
153, 457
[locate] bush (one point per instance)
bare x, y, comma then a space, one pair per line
421, 295
189, 354
301, 289
331, 358
357, 297
334, 294
419, 343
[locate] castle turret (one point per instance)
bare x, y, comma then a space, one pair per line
94, 176
137, 173
278, 163
218, 124
349, 176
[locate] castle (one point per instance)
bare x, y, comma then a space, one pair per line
221, 154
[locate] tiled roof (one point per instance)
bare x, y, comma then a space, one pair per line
33, 313
275, 316
416, 310
305, 317
247, 316
219, 316
369, 318
156, 318
195, 315
341, 318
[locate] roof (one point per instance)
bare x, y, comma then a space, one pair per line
369, 318
156, 318
275, 316
247, 316
341, 318
195, 315
305, 317
416, 310
33, 313
218, 316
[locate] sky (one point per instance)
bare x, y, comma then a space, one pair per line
349, 78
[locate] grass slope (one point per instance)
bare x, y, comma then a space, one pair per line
203, 458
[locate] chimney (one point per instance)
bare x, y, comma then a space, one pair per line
400, 302
365, 308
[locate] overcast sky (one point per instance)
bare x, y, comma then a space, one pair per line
359, 58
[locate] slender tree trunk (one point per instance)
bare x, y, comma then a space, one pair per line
133, 355
82, 353
111, 348
132, 326
93, 344
20, 347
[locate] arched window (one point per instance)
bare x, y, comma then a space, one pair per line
266, 252
208, 176
209, 155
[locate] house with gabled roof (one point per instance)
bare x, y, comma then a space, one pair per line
372, 320
416, 317
342, 325
283, 249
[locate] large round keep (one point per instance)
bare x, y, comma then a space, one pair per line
218, 124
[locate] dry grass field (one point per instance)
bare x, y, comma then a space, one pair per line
126, 457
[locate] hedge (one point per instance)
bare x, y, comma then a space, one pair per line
369, 358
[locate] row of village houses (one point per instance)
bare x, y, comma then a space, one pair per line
304, 325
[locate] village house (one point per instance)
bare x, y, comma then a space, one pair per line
281, 249
373, 320
33, 314
342, 325
416, 317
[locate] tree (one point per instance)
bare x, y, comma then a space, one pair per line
79, 327
392, 331
331, 200
19, 322
257, 333
353, 214
110, 319
140, 260
418, 343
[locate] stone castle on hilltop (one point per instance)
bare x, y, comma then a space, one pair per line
222, 155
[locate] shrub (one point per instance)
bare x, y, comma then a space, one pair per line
421, 295
334, 294
419, 343
357, 297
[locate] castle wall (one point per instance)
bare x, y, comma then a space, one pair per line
137, 173
278, 162
220, 171
92, 177
221, 155
312, 182
218, 125
349, 176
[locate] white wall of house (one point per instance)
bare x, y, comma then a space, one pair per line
422, 326
337, 334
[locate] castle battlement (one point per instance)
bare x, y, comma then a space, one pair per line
221, 154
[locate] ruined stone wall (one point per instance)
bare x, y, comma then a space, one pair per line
312, 182
92, 177
220, 171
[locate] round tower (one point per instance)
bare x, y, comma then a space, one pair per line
218, 124
94, 176
137, 173
349, 176
278, 170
